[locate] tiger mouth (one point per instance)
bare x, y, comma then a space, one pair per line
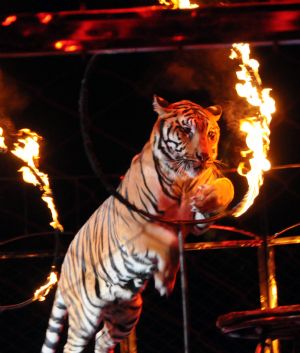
196, 165
190, 166
201, 166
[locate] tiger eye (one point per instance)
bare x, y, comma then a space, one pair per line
186, 129
212, 135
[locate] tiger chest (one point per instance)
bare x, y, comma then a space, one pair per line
175, 209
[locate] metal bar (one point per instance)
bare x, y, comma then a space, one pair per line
268, 286
227, 244
264, 345
263, 276
27, 255
272, 287
235, 230
183, 281
272, 284
285, 241
151, 28
248, 243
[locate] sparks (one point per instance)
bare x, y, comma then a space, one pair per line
255, 127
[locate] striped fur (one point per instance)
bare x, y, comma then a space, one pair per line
110, 260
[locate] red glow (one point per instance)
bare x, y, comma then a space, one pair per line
178, 38
70, 48
44, 17
9, 20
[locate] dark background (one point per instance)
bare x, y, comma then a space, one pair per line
42, 93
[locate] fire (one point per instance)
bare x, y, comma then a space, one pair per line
27, 149
178, 4
41, 293
45, 18
67, 45
3, 146
9, 20
255, 127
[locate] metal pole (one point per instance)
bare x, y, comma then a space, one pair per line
268, 285
272, 287
183, 282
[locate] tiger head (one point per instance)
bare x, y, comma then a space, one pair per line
185, 137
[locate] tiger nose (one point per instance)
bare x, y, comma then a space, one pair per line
203, 156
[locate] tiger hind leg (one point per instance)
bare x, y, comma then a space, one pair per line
55, 325
83, 324
119, 320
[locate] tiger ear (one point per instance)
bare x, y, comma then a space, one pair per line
159, 104
216, 111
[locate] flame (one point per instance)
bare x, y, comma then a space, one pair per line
27, 149
3, 146
41, 293
9, 20
178, 4
67, 45
255, 127
45, 18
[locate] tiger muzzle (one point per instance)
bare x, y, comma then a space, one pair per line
203, 157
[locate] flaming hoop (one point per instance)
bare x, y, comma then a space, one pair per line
27, 149
256, 127
41, 293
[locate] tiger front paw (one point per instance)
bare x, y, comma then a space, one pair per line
164, 285
213, 197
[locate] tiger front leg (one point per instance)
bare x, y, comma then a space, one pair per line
120, 318
163, 250
165, 280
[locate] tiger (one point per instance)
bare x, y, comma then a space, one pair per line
117, 251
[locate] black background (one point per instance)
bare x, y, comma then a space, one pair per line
42, 93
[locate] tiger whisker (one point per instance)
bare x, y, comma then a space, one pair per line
219, 163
